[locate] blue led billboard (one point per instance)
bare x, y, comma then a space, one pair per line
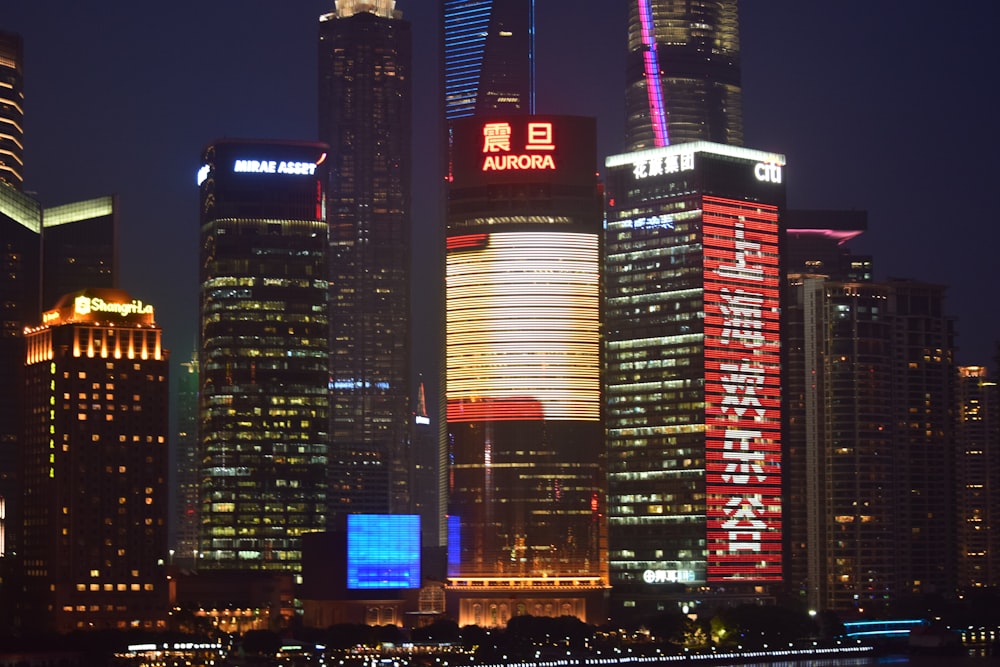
383, 551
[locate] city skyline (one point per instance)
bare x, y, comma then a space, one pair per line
817, 106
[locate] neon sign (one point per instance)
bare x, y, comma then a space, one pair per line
668, 576
501, 157
767, 173
85, 305
274, 167
742, 390
663, 164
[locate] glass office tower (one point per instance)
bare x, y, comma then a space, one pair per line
526, 485
683, 73
692, 383
263, 363
364, 116
489, 57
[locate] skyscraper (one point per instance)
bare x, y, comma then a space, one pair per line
978, 478
692, 375
364, 116
489, 57
263, 364
11, 110
80, 251
95, 465
683, 73
523, 371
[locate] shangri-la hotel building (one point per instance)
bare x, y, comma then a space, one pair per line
95, 465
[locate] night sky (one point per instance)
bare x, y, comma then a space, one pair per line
880, 105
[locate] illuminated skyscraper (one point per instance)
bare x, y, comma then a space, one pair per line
11, 110
364, 116
692, 375
263, 363
489, 57
523, 371
683, 73
95, 466
187, 466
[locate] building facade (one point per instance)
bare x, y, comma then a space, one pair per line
364, 116
11, 110
95, 466
263, 360
526, 480
45, 252
692, 376
489, 57
683, 73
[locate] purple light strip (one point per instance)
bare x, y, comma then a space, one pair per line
657, 111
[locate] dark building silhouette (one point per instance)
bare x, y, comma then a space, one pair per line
11, 109
489, 57
45, 252
683, 73
693, 376
977, 476
95, 466
364, 116
263, 361
869, 400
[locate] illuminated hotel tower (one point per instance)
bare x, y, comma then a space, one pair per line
692, 375
95, 466
526, 533
364, 116
11, 110
263, 363
488, 57
683, 73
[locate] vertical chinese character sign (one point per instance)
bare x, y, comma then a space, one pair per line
742, 390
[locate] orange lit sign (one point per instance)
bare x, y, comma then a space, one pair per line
500, 156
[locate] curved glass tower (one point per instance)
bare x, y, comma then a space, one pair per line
264, 346
683, 73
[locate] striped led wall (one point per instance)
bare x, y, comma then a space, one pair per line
742, 390
523, 327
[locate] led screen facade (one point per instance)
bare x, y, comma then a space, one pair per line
742, 389
383, 551
523, 314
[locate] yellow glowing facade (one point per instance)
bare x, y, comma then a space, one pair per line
523, 316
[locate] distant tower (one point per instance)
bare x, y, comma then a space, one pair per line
95, 465
11, 110
263, 364
187, 464
489, 57
978, 479
683, 73
364, 116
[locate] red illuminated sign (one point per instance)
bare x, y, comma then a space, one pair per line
742, 390
500, 156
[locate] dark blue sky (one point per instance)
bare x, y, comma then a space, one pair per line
881, 105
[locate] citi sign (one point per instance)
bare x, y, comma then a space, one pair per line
767, 172
538, 147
